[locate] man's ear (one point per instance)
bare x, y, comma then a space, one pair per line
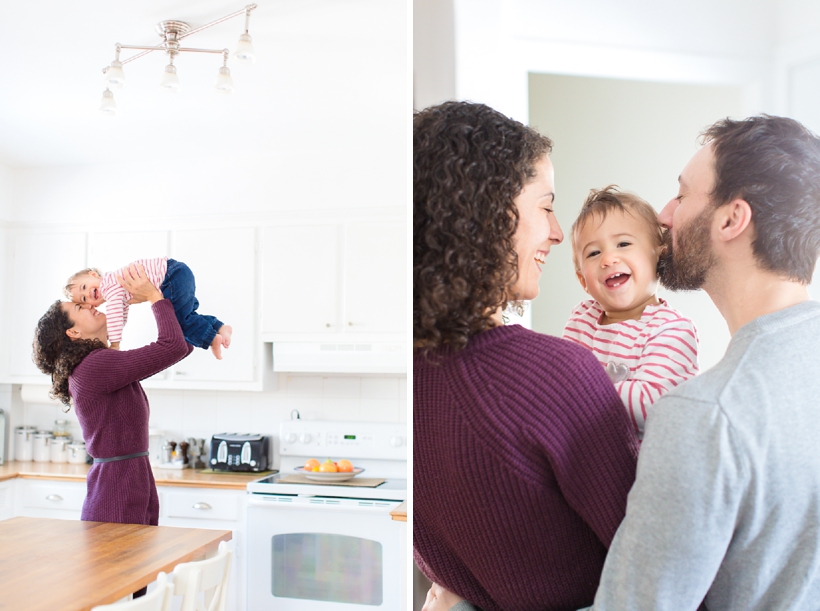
733, 217
582, 280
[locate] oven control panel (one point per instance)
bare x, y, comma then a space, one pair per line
349, 439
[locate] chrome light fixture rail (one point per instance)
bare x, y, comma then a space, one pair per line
172, 31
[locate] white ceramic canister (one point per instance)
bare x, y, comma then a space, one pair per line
58, 449
41, 451
76, 453
24, 442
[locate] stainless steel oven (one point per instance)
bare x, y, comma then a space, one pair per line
319, 546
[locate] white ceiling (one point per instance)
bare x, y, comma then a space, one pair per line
330, 75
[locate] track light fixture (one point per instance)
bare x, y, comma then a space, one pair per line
172, 31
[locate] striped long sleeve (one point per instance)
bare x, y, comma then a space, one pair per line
653, 354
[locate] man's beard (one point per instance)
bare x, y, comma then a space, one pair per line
685, 268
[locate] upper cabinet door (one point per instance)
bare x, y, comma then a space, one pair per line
111, 251
41, 262
223, 262
301, 271
375, 277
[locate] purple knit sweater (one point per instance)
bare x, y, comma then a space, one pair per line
523, 456
113, 412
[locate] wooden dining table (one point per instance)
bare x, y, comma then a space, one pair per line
73, 565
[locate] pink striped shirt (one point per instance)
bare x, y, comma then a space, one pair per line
116, 308
660, 350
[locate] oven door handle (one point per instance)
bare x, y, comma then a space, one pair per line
307, 502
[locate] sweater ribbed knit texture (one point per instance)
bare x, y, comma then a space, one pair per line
523, 456
113, 412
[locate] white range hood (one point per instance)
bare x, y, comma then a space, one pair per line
333, 356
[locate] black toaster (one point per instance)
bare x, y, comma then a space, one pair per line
239, 452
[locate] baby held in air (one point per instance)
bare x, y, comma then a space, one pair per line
174, 279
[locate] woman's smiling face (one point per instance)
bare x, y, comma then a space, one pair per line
89, 323
537, 230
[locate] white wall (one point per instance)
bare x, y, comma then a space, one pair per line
209, 187
201, 414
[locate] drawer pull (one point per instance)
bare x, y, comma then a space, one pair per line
55, 498
201, 506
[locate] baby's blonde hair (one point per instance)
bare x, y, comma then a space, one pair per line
601, 202
73, 279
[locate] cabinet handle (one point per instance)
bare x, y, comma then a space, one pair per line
54, 498
180, 373
201, 506
349, 324
327, 324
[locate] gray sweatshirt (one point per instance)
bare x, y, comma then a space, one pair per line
726, 504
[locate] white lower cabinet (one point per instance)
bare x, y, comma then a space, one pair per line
6, 499
41, 498
210, 508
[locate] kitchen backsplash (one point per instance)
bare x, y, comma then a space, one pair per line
191, 413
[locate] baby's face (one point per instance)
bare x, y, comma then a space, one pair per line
618, 261
86, 289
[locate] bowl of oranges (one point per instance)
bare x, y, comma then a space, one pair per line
329, 470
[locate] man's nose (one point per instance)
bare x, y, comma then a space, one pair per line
665, 215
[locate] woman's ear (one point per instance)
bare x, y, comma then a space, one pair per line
72, 333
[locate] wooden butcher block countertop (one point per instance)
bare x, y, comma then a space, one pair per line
71, 565
164, 477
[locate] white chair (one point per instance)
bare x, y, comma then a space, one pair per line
158, 600
209, 576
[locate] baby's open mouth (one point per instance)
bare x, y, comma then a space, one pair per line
616, 280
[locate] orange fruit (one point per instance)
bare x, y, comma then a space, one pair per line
310, 464
328, 467
344, 466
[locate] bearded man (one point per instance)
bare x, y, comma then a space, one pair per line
725, 509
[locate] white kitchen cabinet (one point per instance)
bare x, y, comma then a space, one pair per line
210, 508
375, 277
345, 278
301, 279
7, 499
40, 498
40, 263
224, 265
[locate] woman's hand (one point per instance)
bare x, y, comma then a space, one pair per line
136, 282
439, 599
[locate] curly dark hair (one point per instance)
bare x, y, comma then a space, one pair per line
56, 354
469, 163
773, 163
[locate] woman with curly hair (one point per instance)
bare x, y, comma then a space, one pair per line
522, 455
103, 385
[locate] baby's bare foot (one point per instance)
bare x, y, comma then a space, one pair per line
216, 346
226, 331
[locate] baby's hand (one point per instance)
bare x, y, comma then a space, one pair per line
114, 346
439, 599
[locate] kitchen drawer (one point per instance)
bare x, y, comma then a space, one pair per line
204, 506
53, 495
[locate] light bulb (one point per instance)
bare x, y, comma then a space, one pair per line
108, 106
170, 80
224, 82
114, 76
244, 49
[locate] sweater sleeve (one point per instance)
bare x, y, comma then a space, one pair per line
669, 357
115, 369
595, 461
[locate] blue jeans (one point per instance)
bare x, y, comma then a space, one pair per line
178, 287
